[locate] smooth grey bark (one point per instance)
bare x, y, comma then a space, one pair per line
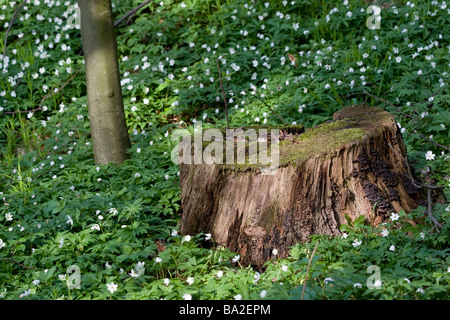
109, 131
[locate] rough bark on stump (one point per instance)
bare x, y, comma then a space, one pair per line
345, 167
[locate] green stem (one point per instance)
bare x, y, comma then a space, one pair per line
315, 96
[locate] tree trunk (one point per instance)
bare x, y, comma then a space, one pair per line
353, 165
109, 131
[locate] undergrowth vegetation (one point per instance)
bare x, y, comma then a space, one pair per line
72, 230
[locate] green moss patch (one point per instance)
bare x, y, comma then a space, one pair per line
321, 139
324, 138
296, 145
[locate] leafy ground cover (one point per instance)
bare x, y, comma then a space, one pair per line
74, 230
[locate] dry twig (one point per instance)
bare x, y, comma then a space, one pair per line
429, 188
405, 114
13, 19
223, 93
270, 108
430, 211
131, 13
307, 270
19, 264
45, 97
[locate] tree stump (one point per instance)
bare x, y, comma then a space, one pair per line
350, 166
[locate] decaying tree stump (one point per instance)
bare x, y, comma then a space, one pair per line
353, 165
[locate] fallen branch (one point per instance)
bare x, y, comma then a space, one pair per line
430, 211
429, 189
45, 97
409, 116
417, 183
433, 142
59, 89
131, 13
307, 270
223, 93
19, 264
128, 15
14, 261
270, 108
391, 104
433, 95
13, 19
379, 99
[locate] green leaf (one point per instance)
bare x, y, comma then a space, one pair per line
50, 273
359, 220
52, 206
